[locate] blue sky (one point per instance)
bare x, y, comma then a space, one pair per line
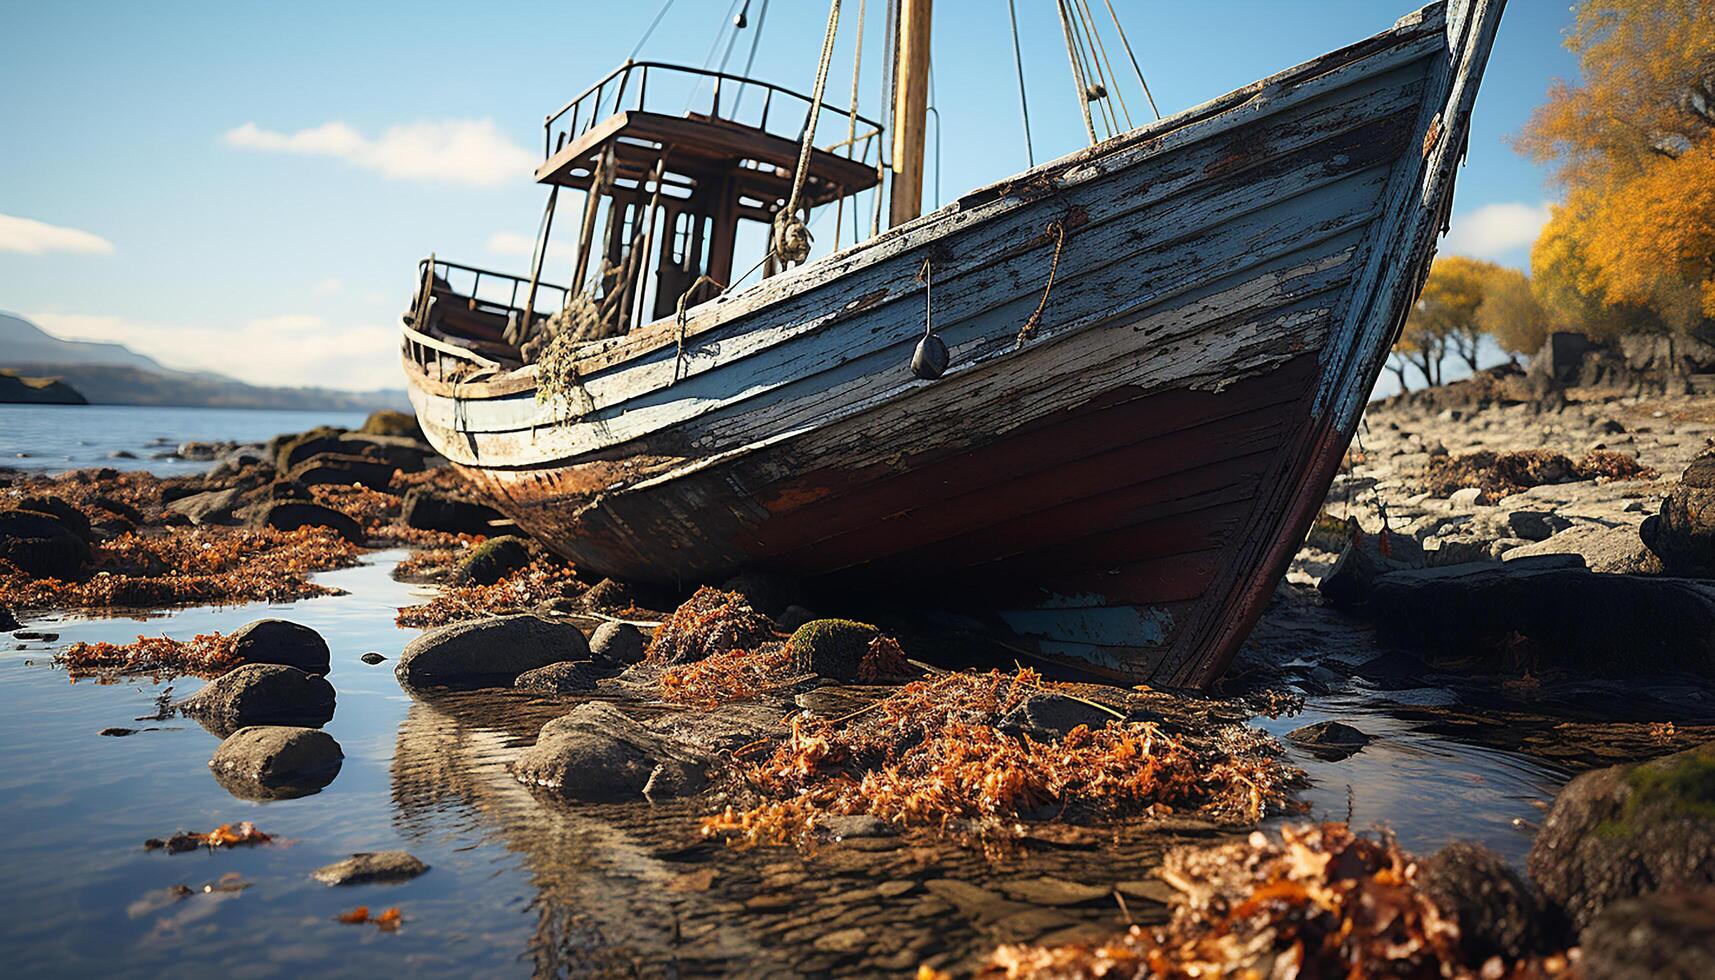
246, 187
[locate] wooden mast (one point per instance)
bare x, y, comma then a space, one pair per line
910, 106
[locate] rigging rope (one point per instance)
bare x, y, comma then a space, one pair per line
1129, 54
1077, 71
1104, 67
791, 236
750, 60
851, 129
1023, 102
1057, 228
646, 34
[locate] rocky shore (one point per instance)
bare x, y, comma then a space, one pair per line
1512, 552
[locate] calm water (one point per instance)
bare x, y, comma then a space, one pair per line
518, 885
66, 437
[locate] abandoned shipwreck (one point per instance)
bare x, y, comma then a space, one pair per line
1089, 410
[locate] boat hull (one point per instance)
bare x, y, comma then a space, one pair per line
1117, 487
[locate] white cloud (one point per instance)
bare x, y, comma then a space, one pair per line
34, 237
555, 267
457, 151
327, 287
293, 349
1489, 232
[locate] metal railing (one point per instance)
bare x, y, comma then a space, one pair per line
726, 100
486, 288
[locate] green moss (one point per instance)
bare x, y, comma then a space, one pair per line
831, 647
390, 423
491, 560
1679, 786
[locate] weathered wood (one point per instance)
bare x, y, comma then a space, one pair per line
1122, 490
910, 109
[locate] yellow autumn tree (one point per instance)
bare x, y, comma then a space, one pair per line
1447, 307
1632, 143
1511, 314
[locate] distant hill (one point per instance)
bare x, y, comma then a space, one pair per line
113, 374
37, 391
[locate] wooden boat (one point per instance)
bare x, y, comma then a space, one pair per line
1159, 349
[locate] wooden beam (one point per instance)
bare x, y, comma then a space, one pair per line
910, 106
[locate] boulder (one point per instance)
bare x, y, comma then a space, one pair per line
493, 560
366, 868
1671, 934
1365, 559
1682, 534
1629, 830
1049, 717
832, 648
276, 761
290, 515
1614, 550
1331, 740
41, 545
294, 449
280, 641
429, 510
488, 652
261, 694
75, 521
210, 506
618, 644
372, 658
342, 469
598, 754
388, 422
1537, 614
1498, 913
793, 617
565, 677
1439, 552
408, 454
1535, 525
8, 622
1469, 498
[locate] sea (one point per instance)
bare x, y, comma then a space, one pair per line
518, 885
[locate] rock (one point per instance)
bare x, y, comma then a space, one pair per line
488, 651
75, 521
280, 641
1502, 547
409, 454
1536, 614
1457, 550
767, 593
428, 510
387, 422
8, 622
261, 694
1614, 550
1348, 583
204, 451
1469, 498
1625, 831
1497, 911
854, 826
210, 506
1329, 739
1682, 534
364, 868
342, 469
618, 644
295, 449
41, 545
290, 515
493, 560
372, 658
598, 754
1533, 525
565, 677
1610, 427
1055, 891
1671, 934
276, 762
831, 648
1048, 717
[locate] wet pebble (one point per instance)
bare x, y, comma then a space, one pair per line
372, 658
369, 867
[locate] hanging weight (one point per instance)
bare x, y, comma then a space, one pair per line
929, 360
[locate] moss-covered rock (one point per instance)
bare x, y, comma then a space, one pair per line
296, 449
832, 648
494, 559
390, 423
1624, 831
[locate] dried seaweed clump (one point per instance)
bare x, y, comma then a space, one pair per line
160, 657
710, 622
543, 580
930, 755
732, 675
1319, 901
225, 835
191, 566
1500, 474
